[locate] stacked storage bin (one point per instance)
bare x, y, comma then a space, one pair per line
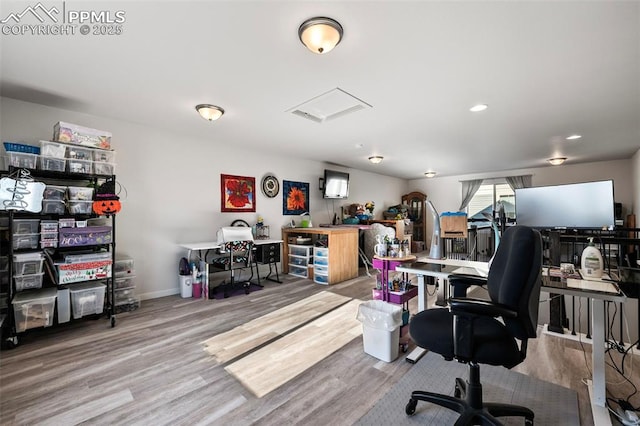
21, 155
125, 285
53, 199
25, 233
52, 156
80, 200
48, 233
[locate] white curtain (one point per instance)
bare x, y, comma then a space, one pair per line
469, 188
517, 182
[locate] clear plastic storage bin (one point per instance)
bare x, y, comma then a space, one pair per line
25, 241
52, 149
80, 193
53, 164
34, 308
104, 168
87, 299
25, 226
53, 192
25, 282
79, 166
80, 207
53, 206
79, 153
21, 159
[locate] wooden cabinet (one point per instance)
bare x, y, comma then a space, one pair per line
342, 256
416, 202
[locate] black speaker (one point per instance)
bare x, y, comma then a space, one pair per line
618, 210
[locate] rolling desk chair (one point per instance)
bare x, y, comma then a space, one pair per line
470, 332
234, 255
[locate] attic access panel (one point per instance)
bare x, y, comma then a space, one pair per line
328, 106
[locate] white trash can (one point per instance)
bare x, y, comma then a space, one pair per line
186, 281
381, 323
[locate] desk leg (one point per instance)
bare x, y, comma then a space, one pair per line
419, 352
597, 388
268, 277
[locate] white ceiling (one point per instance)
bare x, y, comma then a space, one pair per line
546, 69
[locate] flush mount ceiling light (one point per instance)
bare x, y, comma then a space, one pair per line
375, 159
478, 108
573, 137
209, 112
430, 174
557, 161
320, 34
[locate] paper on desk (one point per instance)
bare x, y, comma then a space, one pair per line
602, 286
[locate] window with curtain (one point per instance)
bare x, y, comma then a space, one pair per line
487, 196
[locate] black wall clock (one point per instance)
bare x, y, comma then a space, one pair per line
270, 185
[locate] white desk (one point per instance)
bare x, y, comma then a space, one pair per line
211, 245
599, 293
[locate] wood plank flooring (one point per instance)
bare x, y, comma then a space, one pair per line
152, 369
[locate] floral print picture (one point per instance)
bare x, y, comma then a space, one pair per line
238, 193
295, 197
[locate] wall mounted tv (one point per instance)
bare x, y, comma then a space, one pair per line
336, 184
588, 205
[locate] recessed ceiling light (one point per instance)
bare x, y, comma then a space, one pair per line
478, 108
556, 161
430, 174
375, 159
573, 137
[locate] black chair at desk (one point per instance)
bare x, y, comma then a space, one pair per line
470, 331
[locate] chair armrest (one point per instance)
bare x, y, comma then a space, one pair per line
461, 282
479, 307
465, 311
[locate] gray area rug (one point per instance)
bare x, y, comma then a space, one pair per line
552, 404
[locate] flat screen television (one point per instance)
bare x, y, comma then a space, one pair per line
588, 205
336, 184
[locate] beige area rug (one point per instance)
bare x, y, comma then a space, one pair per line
275, 364
227, 346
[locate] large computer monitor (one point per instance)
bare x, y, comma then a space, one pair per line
588, 205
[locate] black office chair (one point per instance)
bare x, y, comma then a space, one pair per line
478, 331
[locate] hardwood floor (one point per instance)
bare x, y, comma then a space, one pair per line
152, 368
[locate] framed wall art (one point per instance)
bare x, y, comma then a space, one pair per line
295, 197
238, 193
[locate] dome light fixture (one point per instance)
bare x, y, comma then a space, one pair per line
556, 161
430, 174
320, 34
209, 112
375, 159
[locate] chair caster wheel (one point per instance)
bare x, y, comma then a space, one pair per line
410, 409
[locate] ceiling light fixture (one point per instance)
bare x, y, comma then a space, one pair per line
375, 159
573, 137
478, 108
209, 112
430, 174
557, 161
320, 34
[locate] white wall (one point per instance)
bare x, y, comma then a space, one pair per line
171, 186
636, 185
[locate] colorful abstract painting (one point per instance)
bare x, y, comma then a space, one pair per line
295, 197
238, 193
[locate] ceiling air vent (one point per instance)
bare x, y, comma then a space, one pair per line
328, 106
